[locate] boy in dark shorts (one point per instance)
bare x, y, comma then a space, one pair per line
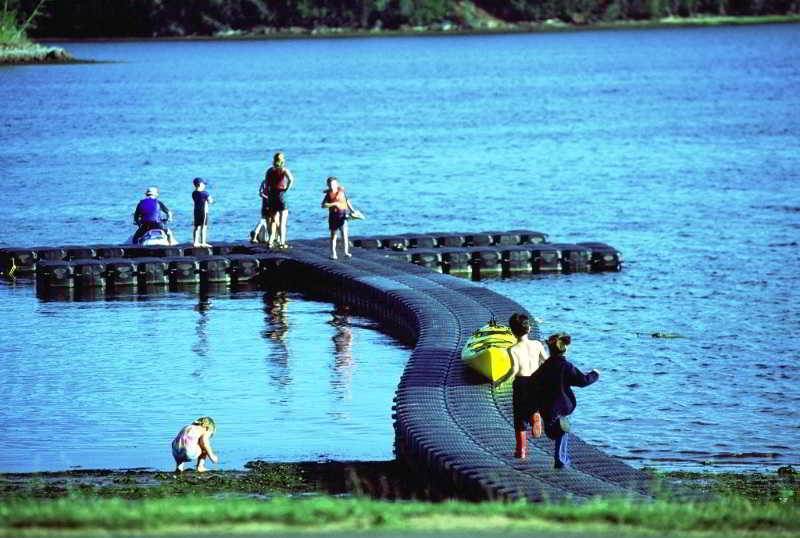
554, 396
201, 200
337, 204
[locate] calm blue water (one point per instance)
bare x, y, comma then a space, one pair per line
679, 147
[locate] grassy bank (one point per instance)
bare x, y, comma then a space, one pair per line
16, 48
307, 497
33, 53
327, 514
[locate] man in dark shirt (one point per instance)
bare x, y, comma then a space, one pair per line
148, 215
553, 393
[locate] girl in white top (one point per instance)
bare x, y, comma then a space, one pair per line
193, 443
526, 357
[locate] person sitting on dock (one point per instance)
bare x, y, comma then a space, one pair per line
193, 443
151, 214
526, 357
553, 393
335, 200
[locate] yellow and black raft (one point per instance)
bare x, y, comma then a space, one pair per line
486, 351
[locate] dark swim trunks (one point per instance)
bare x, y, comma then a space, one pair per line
523, 401
336, 219
200, 208
276, 200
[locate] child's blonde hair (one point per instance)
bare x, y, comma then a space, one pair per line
206, 422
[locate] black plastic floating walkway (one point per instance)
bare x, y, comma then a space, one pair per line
449, 422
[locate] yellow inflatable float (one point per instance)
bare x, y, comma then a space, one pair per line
486, 351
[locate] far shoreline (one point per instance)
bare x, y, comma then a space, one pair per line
41, 52
546, 27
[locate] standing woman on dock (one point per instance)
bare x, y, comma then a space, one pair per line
278, 180
526, 357
274, 213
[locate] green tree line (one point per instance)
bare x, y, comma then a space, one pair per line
145, 18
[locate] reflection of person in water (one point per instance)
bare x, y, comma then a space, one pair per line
343, 344
277, 326
203, 306
275, 308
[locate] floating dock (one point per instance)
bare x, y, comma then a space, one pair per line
474, 255
450, 424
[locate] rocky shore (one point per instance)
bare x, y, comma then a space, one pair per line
32, 53
375, 479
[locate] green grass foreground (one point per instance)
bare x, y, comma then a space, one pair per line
276, 497
328, 514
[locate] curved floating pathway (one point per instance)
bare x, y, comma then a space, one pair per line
449, 422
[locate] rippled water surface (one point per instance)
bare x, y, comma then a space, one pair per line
679, 147
108, 383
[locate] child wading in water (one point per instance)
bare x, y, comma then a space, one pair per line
554, 395
526, 357
201, 202
193, 442
337, 204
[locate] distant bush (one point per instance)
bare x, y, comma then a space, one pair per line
14, 25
